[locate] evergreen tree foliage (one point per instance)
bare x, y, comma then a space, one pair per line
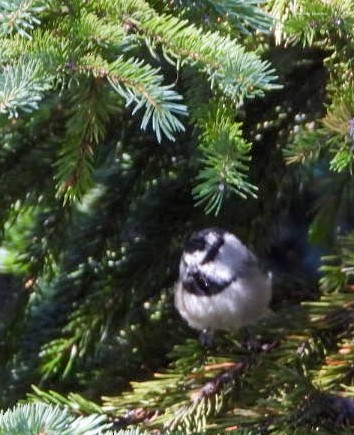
127, 124
41, 418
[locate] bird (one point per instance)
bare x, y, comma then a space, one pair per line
221, 284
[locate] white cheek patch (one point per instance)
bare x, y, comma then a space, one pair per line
193, 258
222, 271
211, 238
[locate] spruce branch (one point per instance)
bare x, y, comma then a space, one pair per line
76, 403
22, 87
191, 391
338, 123
205, 401
292, 364
334, 138
45, 50
141, 86
136, 431
96, 33
338, 268
337, 368
306, 147
335, 195
242, 15
20, 16
323, 22
74, 169
225, 158
86, 328
316, 17
229, 68
281, 11
40, 418
92, 106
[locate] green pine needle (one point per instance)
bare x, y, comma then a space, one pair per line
224, 161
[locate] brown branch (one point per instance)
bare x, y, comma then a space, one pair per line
134, 416
216, 384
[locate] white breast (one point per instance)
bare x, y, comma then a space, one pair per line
242, 303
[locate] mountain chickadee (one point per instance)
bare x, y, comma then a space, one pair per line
221, 284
